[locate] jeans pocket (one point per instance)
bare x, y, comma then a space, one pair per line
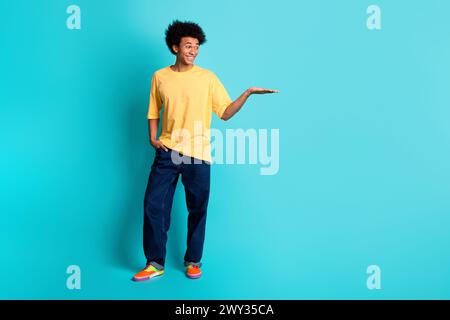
158, 152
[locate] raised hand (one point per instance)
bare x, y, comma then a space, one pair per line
257, 90
236, 105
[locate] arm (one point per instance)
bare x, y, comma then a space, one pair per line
152, 130
237, 104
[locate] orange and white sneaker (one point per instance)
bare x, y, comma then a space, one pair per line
147, 273
193, 271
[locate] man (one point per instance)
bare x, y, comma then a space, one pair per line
189, 94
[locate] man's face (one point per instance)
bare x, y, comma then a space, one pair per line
187, 50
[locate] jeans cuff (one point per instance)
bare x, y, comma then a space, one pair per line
156, 265
198, 264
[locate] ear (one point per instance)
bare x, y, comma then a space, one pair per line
175, 48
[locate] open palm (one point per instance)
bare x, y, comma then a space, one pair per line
257, 90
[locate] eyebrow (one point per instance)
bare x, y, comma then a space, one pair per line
191, 43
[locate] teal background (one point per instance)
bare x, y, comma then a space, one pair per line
364, 150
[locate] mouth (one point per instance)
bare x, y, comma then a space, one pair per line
190, 58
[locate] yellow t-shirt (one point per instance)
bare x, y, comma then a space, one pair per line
188, 99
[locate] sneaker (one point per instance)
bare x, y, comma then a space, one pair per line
193, 271
147, 273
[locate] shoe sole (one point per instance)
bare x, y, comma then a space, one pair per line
193, 277
147, 278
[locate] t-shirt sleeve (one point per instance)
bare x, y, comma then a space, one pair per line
155, 103
220, 98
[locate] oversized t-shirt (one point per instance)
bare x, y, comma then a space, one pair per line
187, 100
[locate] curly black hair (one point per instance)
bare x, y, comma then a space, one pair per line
177, 29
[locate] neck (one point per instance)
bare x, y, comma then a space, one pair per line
181, 67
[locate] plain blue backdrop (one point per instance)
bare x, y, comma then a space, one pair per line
364, 173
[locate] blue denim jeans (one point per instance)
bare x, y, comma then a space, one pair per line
158, 204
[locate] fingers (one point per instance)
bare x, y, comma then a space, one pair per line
159, 145
264, 90
268, 91
162, 146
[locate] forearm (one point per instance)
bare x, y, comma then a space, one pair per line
153, 129
236, 105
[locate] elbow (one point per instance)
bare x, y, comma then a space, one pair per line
225, 116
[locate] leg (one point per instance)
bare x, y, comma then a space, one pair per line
157, 206
196, 181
